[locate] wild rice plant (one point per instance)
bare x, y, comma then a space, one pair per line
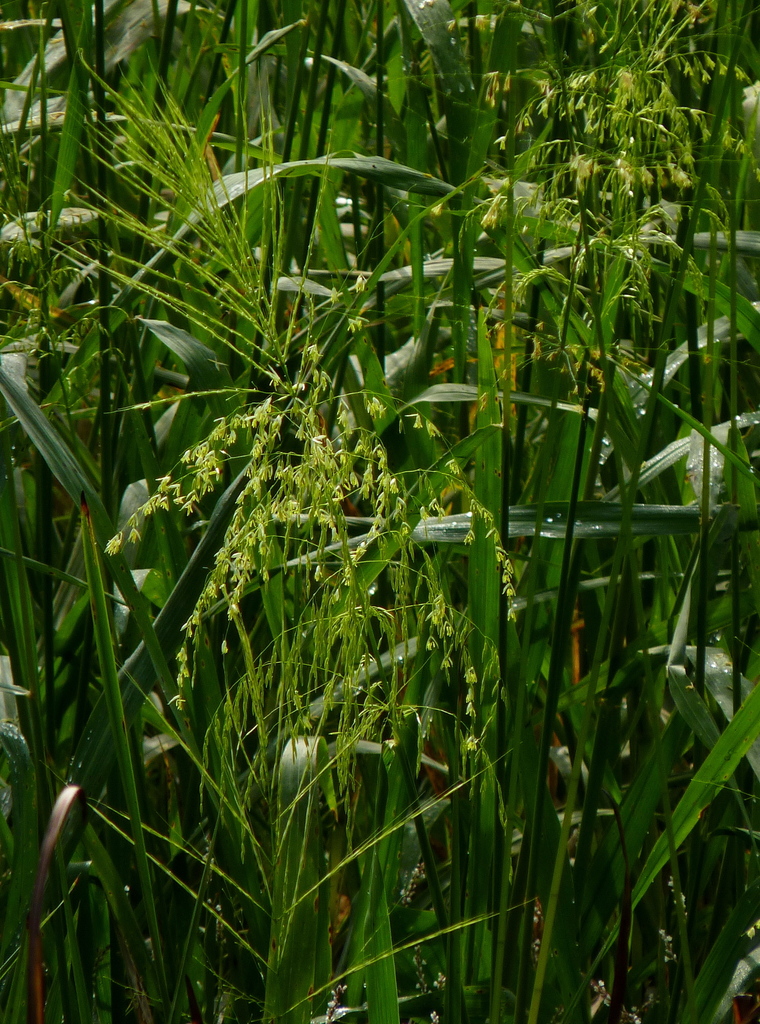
378, 521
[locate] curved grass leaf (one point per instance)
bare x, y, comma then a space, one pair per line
715, 983
270, 39
469, 393
437, 23
747, 243
719, 680
67, 470
63, 807
368, 87
692, 706
653, 467
605, 878
593, 519
373, 168
721, 331
712, 775
730, 456
73, 122
205, 370
24, 854
232, 186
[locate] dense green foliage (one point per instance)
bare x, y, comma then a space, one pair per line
379, 443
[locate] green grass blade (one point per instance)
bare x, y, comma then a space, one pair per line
206, 372
295, 953
95, 751
62, 464
121, 910
25, 839
68, 152
382, 992
713, 774
714, 979
113, 699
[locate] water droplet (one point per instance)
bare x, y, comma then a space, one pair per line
453, 40
461, 87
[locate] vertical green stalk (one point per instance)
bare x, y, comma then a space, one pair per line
70, 949
324, 126
485, 593
294, 89
560, 635
453, 1003
167, 39
43, 524
311, 89
686, 237
294, 222
112, 694
525, 378
707, 406
734, 440
684, 968
506, 793
18, 618
242, 90
378, 241
513, 899
416, 156
223, 33
103, 158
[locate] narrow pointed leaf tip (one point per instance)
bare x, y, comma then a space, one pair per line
68, 796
